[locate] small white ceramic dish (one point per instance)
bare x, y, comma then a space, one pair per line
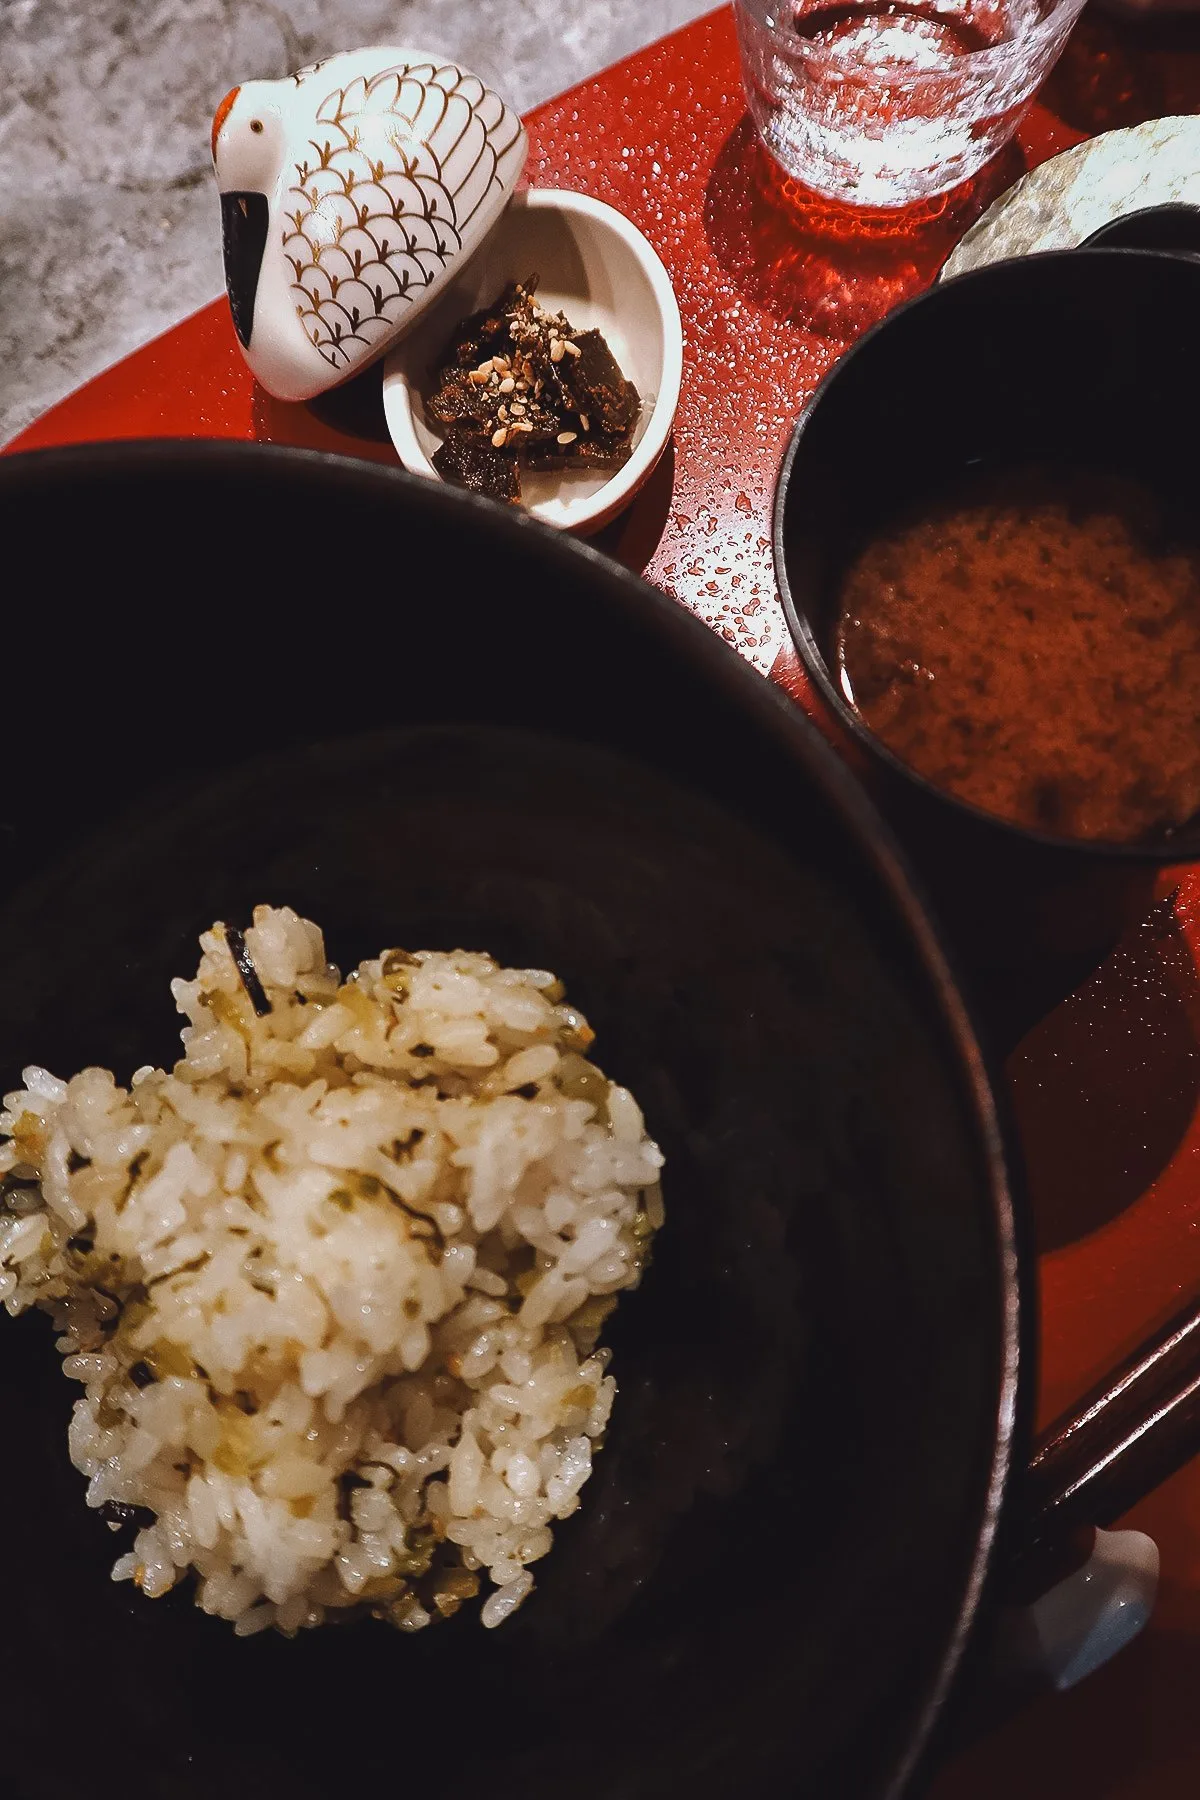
597, 268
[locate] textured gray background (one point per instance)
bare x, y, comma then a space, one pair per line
108, 226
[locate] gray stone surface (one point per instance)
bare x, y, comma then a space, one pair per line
108, 226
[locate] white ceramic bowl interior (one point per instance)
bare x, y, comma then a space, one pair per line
595, 266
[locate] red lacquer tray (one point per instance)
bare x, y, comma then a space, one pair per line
1107, 1089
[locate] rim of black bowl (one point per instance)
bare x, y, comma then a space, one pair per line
783, 720
1162, 851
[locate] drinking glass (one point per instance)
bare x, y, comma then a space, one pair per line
883, 104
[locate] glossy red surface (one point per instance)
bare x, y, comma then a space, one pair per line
771, 289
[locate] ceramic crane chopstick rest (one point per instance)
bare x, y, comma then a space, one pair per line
350, 192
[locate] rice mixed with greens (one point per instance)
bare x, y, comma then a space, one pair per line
334, 1284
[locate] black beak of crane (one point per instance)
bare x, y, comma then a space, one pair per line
244, 237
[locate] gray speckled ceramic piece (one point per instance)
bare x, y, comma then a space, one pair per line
1062, 202
108, 210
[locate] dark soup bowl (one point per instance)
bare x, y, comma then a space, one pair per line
254, 675
1079, 360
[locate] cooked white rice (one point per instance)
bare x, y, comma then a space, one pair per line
333, 1285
